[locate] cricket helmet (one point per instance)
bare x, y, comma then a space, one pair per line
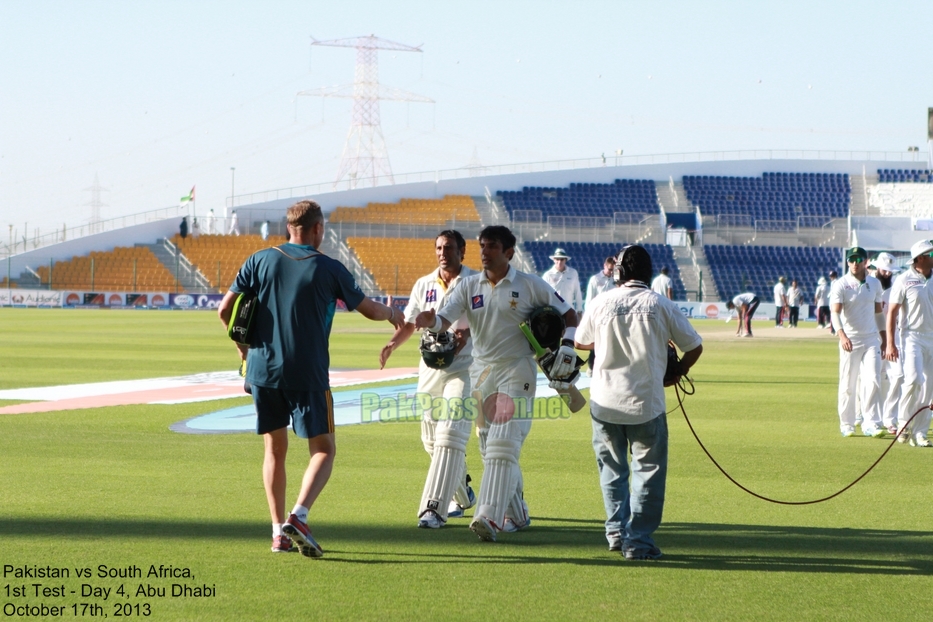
547, 325
438, 349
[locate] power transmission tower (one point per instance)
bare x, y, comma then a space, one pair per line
95, 203
365, 160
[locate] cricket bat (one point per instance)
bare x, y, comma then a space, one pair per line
478, 396
572, 396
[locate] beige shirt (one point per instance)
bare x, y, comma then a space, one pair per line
630, 328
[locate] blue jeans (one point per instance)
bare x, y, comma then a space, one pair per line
631, 518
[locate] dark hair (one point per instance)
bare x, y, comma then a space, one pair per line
730, 305
610, 259
665, 271
500, 234
452, 234
635, 264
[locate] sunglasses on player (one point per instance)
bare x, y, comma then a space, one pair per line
855, 260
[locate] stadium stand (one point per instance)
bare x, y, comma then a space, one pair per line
396, 263
902, 193
219, 257
125, 268
587, 259
886, 175
7, 284
775, 201
434, 212
738, 269
630, 196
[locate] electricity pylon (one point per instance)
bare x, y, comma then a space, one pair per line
365, 160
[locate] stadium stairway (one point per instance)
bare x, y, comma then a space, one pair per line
685, 256
858, 206
188, 276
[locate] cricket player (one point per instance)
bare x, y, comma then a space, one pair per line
885, 269
504, 371
565, 280
780, 302
443, 433
745, 305
601, 281
663, 285
913, 293
297, 288
855, 303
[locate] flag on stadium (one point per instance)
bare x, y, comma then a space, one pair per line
189, 197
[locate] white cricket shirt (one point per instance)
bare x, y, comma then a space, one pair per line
598, 284
822, 295
858, 305
429, 293
914, 292
567, 284
494, 312
779, 294
661, 284
744, 299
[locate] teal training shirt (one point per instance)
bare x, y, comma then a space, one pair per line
297, 300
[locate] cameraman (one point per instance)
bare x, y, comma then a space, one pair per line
629, 328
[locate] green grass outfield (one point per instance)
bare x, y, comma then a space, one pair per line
114, 487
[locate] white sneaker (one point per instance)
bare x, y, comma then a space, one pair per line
847, 431
430, 520
511, 525
919, 440
874, 432
483, 528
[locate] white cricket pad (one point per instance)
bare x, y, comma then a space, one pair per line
448, 466
502, 474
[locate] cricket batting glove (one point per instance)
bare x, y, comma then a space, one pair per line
564, 363
562, 385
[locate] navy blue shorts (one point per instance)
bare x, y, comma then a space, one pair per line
311, 413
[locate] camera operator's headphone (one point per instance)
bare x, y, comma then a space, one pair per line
618, 272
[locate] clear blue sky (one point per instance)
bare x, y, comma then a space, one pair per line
156, 96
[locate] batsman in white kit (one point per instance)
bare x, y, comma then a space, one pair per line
504, 371
444, 372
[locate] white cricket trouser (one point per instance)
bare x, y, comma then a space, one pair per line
917, 391
502, 487
894, 373
444, 434
860, 370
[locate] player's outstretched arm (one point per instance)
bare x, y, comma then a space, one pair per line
379, 312
401, 335
429, 320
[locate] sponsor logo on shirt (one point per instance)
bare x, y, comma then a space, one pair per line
477, 301
514, 294
431, 295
